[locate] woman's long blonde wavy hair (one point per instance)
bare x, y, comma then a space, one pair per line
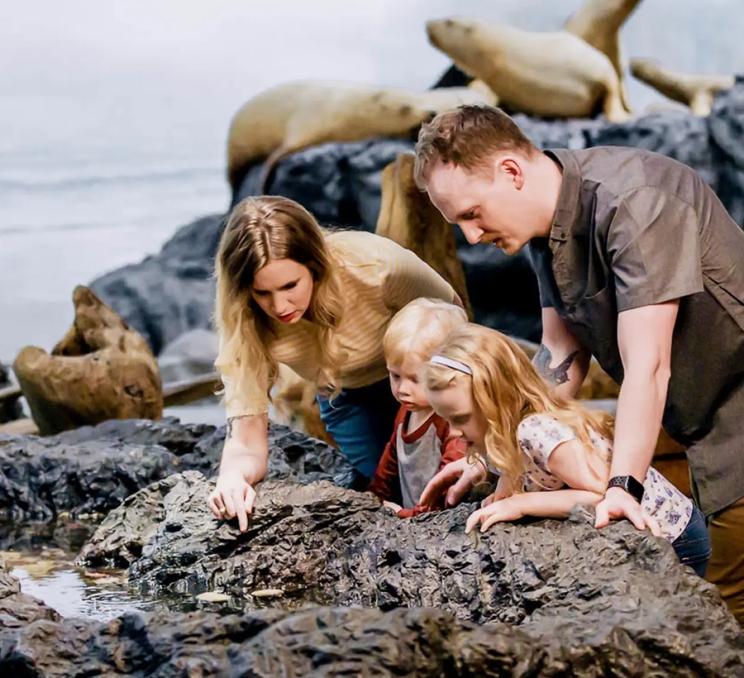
507, 388
260, 230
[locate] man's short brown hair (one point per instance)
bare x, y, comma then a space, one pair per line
466, 137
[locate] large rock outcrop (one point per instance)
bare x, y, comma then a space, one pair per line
93, 469
562, 584
418, 597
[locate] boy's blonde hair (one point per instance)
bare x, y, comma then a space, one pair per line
419, 328
507, 389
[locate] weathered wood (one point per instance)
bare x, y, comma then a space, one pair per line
175, 393
191, 390
102, 369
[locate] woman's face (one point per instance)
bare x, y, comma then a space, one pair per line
283, 290
456, 406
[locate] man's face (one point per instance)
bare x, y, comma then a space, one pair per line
489, 206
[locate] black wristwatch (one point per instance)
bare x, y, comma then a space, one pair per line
629, 484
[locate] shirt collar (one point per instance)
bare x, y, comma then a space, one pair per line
567, 209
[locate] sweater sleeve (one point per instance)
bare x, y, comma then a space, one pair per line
386, 481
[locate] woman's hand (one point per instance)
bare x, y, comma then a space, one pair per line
232, 496
244, 463
498, 511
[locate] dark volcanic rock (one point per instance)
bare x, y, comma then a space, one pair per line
557, 595
92, 469
9, 409
425, 643
169, 293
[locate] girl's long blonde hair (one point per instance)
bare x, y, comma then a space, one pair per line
260, 230
507, 388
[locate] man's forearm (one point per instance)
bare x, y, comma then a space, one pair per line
563, 373
640, 407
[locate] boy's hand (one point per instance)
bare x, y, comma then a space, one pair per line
392, 506
452, 483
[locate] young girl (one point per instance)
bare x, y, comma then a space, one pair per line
551, 452
289, 292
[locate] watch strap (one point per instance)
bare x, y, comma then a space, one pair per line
628, 483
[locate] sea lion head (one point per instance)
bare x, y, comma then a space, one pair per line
453, 36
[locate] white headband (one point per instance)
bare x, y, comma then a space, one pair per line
452, 364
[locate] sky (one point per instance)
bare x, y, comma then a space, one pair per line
167, 76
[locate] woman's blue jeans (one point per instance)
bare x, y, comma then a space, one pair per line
361, 422
693, 545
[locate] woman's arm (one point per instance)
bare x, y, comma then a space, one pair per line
243, 464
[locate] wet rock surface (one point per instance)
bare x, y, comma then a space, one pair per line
327, 582
92, 469
550, 591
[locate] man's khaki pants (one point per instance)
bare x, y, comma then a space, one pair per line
726, 565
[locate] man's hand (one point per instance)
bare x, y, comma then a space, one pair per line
452, 483
618, 504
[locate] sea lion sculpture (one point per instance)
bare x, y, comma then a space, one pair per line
544, 74
598, 22
408, 217
296, 115
101, 369
697, 91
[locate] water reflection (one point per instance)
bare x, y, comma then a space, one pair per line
49, 575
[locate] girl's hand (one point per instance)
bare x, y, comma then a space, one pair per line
502, 491
500, 510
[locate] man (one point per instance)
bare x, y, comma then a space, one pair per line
639, 264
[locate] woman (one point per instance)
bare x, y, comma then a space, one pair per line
289, 292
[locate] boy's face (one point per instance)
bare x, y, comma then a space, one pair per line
407, 385
456, 406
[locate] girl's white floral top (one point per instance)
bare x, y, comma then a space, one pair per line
539, 434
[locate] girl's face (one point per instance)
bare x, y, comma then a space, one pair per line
456, 406
283, 290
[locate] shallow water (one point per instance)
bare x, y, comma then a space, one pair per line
50, 575
42, 557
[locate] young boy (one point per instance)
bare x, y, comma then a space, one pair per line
420, 444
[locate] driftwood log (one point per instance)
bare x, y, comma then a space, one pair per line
101, 369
